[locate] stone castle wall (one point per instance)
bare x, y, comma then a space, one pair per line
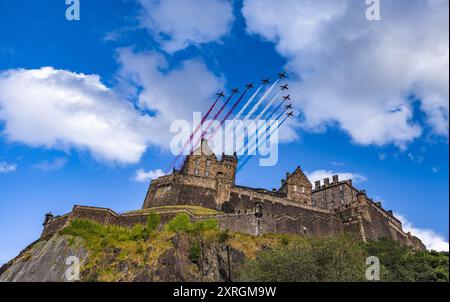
257, 221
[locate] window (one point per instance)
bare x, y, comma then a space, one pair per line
295, 188
341, 187
207, 173
197, 162
208, 163
303, 190
196, 172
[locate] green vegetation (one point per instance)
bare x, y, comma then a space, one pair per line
181, 223
194, 252
153, 221
342, 258
401, 263
271, 257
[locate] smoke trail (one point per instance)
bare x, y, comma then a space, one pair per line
275, 110
229, 112
260, 101
195, 132
266, 94
250, 100
248, 157
268, 106
258, 118
258, 135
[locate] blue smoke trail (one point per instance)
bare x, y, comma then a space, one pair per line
248, 157
257, 130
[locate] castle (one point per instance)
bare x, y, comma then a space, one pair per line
296, 207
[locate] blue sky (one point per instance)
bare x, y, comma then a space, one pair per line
371, 99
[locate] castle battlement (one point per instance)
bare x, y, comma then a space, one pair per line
296, 207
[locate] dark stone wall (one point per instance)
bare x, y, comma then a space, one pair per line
54, 225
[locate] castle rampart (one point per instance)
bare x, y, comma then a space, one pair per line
296, 207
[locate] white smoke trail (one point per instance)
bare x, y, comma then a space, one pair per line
268, 106
260, 101
248, 103
258, 118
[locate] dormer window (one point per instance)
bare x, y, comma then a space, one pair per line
208, 163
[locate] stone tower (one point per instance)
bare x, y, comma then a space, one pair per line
297, 187
204, 163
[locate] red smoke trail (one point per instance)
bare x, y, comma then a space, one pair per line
193, 133
229, 113
216, 116
212, 121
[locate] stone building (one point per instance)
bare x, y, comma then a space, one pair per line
296, 207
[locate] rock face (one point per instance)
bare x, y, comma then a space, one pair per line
45, 261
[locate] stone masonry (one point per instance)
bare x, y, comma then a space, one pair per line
296, 207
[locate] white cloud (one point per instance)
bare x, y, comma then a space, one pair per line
60, 109
435, 169
144, 176
7, 167
51, 165
322, 174
173, 94
358, 74
430, 238
177, 24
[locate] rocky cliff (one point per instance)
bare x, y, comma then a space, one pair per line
113, 256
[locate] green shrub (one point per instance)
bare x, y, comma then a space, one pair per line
309, 259
284, 240
224, 236
153, 221
179, 223
205, 225
194, 252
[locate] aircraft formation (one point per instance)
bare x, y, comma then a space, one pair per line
263, 93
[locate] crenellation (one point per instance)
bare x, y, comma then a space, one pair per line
296, 207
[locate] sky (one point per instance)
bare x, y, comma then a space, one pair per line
86, 105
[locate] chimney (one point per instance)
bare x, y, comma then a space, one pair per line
378, 204
326, 182
317, 185
390, 212
335, 179
350, 182
287, 175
